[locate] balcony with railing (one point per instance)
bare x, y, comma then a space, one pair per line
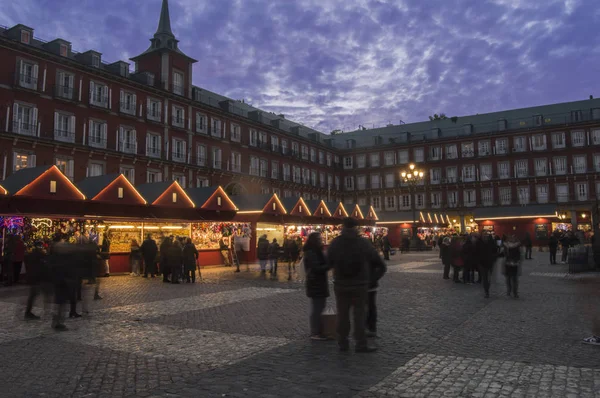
65, 93
154, 115
254, 171
127, 147
177, 89
201, 160
24, 128
153, 151
178, 156
235, 167
216, 164
274, 175
96, 141
64, 135
287, 177
99, 101
127, 108
178, 121
26, 80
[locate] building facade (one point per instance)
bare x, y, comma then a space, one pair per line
151, 124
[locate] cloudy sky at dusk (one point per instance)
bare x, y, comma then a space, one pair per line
335, 64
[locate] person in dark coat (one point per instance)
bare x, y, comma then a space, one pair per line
487, 250
469, 254
456, 258
175, 260
18, 258
105, 253
353, 260
164, 263
553, 247
8, 268
565, 242
190, 259
149, 252
528, 244
513, 266
317, 285
386, 246
273, 257
37, 275
376, 271
263, 253
445, 256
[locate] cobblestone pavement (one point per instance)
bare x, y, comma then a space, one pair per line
240, 335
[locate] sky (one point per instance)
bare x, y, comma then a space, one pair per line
338, 64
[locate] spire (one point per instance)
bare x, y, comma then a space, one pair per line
164, 23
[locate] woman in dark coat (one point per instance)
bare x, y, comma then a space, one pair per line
164, 264
456, 257
175, 260
317, 285
190, 259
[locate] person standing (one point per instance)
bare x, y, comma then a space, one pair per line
224, 249
487, 251
190, 260
149, 252
446, 257
263, 254
175, 260
105, 253
513, 266
565, 241
469, 254
164, 260
37, 277
553, 247
456, 258
351, 258
386, 246
135, 257
317, 285
18, 257
528, 246
273, 257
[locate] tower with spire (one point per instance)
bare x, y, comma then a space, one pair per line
172, 69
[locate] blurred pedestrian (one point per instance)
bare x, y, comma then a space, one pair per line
135, 257
175, 260
18, 257
37, 275
190, 260
105, 253
487, 253
528, 244
164, 261
513, 266
317, 284
386, 246
445, 255
456, 258
273, 257
224, 249
553, 247
149, 252
263, 253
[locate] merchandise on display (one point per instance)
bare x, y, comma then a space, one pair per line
207, 235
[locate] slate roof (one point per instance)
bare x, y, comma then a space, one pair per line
313, 204
153, 190
92, 186
251, 202
289, 203
200, 195
19, 179
515, 211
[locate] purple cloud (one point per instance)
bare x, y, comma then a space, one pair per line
335, 64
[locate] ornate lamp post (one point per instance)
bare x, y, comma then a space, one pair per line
413, 177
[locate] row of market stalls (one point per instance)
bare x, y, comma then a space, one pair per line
36, 203
400, 225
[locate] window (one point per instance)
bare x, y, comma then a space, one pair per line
97, 134
451, 174
297, 175
313, 155
215, 128
578, 138
328, 160
597, 163
504, 169
287, 193
484, 148
468, 173
435, 153
436, 200
236, 132
347, 162
127, 140
467, 150
65, 85
201, 123
361, 161
560, 165
404, 201
523, 195
361, 182
64, 50
313, 178
580, 163
178, 116
304, 152
522, 168
321, 157
180, 178
202, 182
95, 169
541, 193
505, 196
470, 198
562, 192
153, 145
375, 158
64, 127
22, 160
376, 202
217, 158
263, 166
538, 120
127, 102
129, 173
99, 94
485, 172
595, 137
253, 137
451, 151
436, 175
295, 149
539, 142
201, 155
519, 144
349, 183
558, 140
178, 83
153, 109
419, 154
329, 181
66, 166
541, 167
403, 156
153, 176
486, 197
286, 172
322, 181
388, 158
337, 183
375, 181
420, 200
501, 146
150, 78
274, 170
452, 198
236, 162
274, 143
28, 74
305, 176
179, 150
390, 203
362, 201
95, 61
25, 36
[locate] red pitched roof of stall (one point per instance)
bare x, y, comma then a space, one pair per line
274, 206
369, 213
3, 191
357, 213
298, 207
113, 188
167, 193
340, 210
211, 198
44, 182
321, 209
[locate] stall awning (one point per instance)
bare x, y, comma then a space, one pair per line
44, 182
500, 213
111, 188
211, 198
166, 193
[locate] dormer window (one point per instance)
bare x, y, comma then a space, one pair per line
64, 50
124, 70
95, 61
178, 83
25, 36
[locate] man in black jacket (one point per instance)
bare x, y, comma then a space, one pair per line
356, 266
149, 251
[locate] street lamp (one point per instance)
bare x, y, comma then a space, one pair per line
413, 177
